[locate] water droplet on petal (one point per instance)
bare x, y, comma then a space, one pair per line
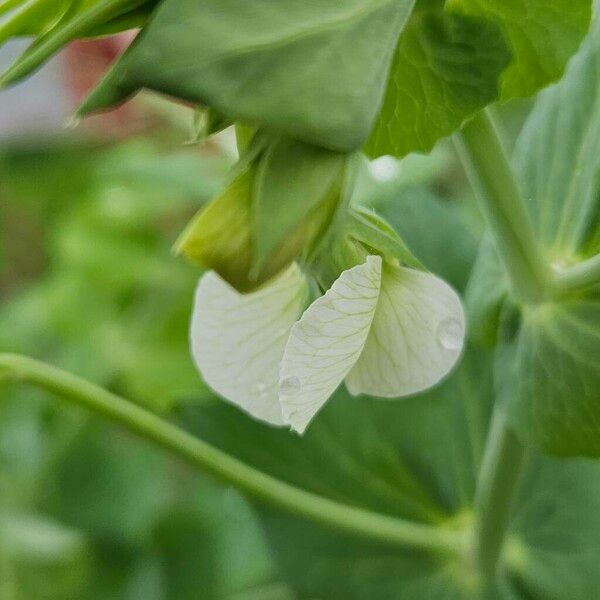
289, 386
450, 334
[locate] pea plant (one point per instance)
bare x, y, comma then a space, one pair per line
400, 438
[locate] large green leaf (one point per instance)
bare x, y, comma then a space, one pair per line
416, 458
313, 71
548, 364
446, 67
453, 59
542, 34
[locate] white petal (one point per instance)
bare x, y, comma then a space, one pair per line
416, 337
237, 340
326, 342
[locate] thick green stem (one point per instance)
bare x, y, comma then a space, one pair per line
577, 277
219, 464
489, 171
501, 468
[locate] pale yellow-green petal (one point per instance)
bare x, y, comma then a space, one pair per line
416, 337
326, 342
237, 340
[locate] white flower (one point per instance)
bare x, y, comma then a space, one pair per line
385, 330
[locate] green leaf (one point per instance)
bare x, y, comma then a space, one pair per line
48, 560
416, 458
56, 28
549, 370
547, 365
31, 18
316, 73
446, 67
542, 34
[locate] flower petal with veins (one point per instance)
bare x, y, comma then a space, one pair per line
237, 340
326, 342
415, 339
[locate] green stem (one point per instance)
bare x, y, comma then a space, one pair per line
577, 277
256, 484
499, 476
485, 160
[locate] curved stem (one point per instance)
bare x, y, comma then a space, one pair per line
259, 485
497, 486
577, 277
487, 166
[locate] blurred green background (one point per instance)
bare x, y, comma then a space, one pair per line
88, 282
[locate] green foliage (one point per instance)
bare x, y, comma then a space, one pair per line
317, 75
55, 24
324, 77
446, 67
87, 511
417, 458
547, 365
112, 272
91, 512
542, 35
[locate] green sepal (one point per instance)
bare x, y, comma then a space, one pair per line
208, 122
378, 236
281, 201
218, 237
295, 182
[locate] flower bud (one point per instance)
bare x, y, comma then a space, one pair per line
277, 208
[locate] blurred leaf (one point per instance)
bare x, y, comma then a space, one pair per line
105, 495
326, 68
542, 34
150, 525
416, 458
187, 557
50, 561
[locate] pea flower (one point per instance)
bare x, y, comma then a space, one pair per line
385, 330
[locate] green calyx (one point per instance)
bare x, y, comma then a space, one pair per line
362, 233
280, 203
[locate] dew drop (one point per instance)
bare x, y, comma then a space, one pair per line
290, 385
450, 334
